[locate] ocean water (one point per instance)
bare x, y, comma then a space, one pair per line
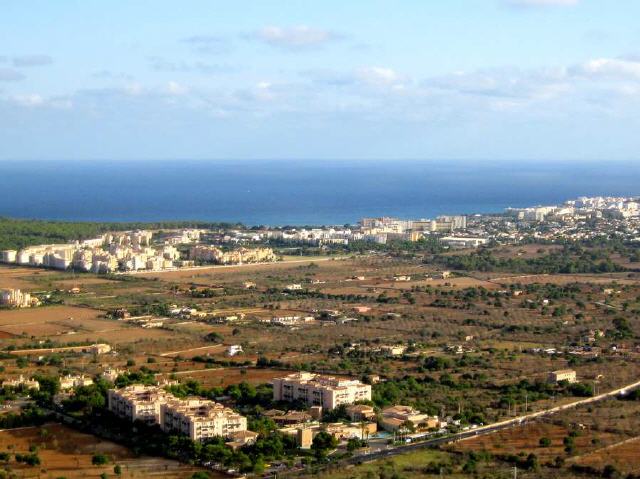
296, 192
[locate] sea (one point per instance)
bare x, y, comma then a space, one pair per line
289, 192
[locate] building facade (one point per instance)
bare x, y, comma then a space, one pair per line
138, 402
200, 419
317, 390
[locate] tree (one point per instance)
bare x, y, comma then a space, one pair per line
610, 471
99, 460
117, 469
545, 442
323, 443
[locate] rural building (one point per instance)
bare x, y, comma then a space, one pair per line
317, 390
21, 382
568, 375
395, 350
111, 374
234, 349
71, 382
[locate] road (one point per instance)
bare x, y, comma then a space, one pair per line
482, 430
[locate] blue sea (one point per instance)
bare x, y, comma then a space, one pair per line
296, 192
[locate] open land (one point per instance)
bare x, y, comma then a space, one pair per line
477, 344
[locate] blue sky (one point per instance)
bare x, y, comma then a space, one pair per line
479, 79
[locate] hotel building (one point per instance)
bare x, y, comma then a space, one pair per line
315, 390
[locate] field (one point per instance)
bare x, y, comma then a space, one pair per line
19, 277
623, 456
526, 439
65, 452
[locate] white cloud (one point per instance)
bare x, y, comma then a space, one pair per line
35, 100
300, 36
176, 89
134, 89
30, 100
32, 60
543, 3
8, 74
379, 74
610, 68
208, 44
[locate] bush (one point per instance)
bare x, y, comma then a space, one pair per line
99, 460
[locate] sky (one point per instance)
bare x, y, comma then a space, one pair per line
330, 79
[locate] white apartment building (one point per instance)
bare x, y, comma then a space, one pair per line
8, 256
200, 419
138, 402
317, 390
17, 299
463, 241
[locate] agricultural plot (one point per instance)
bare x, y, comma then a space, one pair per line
546, 441
64, 452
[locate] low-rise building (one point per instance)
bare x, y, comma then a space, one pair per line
74, 381
463, 241
234, 349
361, 412
568, 375
317, 390
394, 350
111, 374
21, 382
397, 417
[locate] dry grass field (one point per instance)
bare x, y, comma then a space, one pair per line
226, 376
526, 439
65, 452
22, 278
49, 320
624, 456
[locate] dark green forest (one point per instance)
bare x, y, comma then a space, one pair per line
18, 233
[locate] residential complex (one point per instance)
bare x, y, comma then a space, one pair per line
200, 419
197, 418
130, 251
213, 254
138, 402
318, 390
